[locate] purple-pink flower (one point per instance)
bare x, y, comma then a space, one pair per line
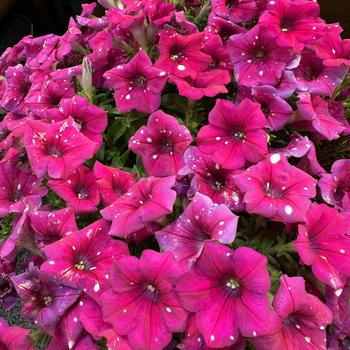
227, 291
14, 338
161, 144
201, 221
277, 190
142, 303
235, 134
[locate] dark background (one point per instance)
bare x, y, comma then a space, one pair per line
51, 16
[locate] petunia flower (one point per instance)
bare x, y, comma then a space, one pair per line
112, 182
91, 119
323, 243
150, 199
314, 77
161, 144
84, 258
44, 299
50, 226
314, 109
142, 303
236, 11
209, 83
137, 84
277, 190
335, 187
79, 190
257, 58
19, 188
57, 148
235, 134
17, 88
292, 23
14, 338
200, 221
181, 55
212, 179
303, 319
227, 290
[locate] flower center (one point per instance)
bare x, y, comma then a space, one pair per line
53, 151
259, 53
166, 146
176, 53
232, 283
286, 24
80, 265
47, 300
82, 194
271, 191
140, 81
239, 135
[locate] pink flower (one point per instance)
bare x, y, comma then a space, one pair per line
276, 109
277, 190
161, 144
44, 300
237, 11
201, 221
84, 258
19, 188
335, 187
142, 303
235, 134
323, 243
181, 55
293, 23
209, 83
92, 119
50, 226
147, 201
137, 84
57, 148
212, 179
228, 292
303, 319
314, 77
14, 338
314, 109
257, 58
79, 190
112, 182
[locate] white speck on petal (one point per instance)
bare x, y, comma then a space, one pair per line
307, 339
168, 309
342, 251
288, 210
212, 337
71, 344
254, 334
51, 262
338, 292
127, 97
181, 67
149, 139
96, 287
275, 158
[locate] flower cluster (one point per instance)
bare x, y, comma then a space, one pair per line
176, 175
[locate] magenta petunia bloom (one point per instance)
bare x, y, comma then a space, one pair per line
44, 300
303, 319
57, 148
92, 119
209, 83
235, 134
50, 226
14, 338
161, 144
16, 88
200, 221
147, 201
44, 98
324, 244
84, 258
277, 190
79, 190
137, 84
212, 179
314, 77
292, 23
257, 58
142, 303
112, 182
19, 188
335, 187
314, 109
276, 109
228, 292
181, 55
236, 11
